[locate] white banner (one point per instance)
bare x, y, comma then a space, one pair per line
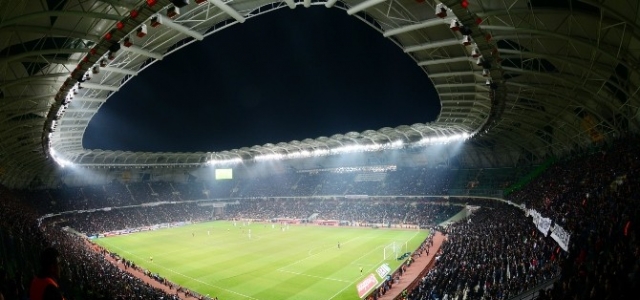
561, 236
543, 224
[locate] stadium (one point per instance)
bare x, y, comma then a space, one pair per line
523, 187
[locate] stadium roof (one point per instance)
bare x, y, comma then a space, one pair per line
553, 76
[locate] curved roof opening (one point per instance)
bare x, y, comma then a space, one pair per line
527, 79
287, 75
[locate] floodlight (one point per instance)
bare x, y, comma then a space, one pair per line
156, 21
142, 31
127, 42
466, 40
441, 10
475, 53
455, 25
173, 12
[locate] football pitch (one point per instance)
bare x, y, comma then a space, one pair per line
265, 262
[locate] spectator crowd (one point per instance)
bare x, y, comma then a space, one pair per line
497, 253
402, 182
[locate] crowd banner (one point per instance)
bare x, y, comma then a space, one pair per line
561, 236
543, 224
535, 215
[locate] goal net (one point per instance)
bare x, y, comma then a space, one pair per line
391, 251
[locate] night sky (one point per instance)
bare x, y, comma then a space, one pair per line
286, 75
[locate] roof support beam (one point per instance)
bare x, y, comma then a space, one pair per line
432, 45
459, 85
47, 30
451, 103
56, 61
95, 86
330, 3
596, 70
474, 94
363, 5
290, 3
87, 99
119, 71
182, 29
408, 28
58, 13
537, 33
451, 74
444, 61
228, 9
568, 79
11, 58
81, 110
566, 97
34, 78
10, 100
69, 134
137, 50
71, 126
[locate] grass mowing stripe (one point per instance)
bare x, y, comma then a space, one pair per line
302, 262
194, 279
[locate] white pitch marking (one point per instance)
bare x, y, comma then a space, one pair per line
303, 274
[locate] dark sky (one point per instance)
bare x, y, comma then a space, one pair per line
286, 75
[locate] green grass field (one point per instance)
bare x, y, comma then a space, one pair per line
303, 262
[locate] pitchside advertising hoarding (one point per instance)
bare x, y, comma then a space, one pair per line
366, 285
383, 270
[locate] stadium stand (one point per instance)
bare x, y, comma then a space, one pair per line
594, 197
498, 253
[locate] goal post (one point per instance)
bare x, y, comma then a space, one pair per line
394, 250
390, 251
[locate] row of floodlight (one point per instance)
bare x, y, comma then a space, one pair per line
228, 161
361, 148
323, 152
314, 153
58, 159
442, 11
74, 88
441, 140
